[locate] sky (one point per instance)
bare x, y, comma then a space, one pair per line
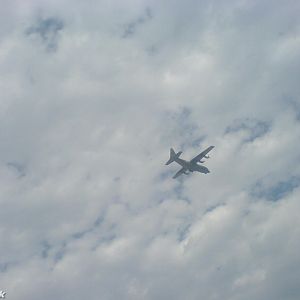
94, 94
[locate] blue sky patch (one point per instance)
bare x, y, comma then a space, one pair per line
17, 167
131, 27
254, 128
47, 30
277, 191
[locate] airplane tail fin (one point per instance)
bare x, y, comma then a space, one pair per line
173, 156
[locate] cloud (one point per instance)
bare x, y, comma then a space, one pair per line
88, 208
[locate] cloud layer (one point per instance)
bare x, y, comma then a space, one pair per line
93, 96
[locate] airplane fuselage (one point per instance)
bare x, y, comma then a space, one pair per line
189, 166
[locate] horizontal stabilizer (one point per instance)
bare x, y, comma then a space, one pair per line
173, 156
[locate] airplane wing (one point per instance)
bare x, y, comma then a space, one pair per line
181, 171
201, 155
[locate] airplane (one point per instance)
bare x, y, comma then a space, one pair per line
189, 166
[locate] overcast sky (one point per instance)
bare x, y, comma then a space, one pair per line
93, 95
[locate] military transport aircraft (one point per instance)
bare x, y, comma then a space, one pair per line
189, 166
